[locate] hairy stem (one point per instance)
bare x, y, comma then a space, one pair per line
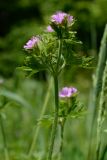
55, 122
41, 115
54, 127
59, 56
6, 154
62, 135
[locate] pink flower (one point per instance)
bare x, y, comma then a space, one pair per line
49, 29
60, 17
67, 92
32, 43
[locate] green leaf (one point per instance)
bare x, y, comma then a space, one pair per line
15, 97
29, 71
24, 68
32, 73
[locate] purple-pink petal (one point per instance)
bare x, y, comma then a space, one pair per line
70, 19
73, 90
49, 29
58, 17
32, 43
67, 92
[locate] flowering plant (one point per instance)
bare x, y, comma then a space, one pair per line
52, 52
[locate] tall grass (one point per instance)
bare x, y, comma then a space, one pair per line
97, 86
41, 116
101, 112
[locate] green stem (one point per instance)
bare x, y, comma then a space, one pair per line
55, 122
59, 55
36, 132
62, 125
54, 127
4, 139
62, 135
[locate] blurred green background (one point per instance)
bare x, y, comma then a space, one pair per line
19, 21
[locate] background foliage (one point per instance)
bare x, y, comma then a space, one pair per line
20, 20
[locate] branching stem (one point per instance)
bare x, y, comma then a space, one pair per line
55, 122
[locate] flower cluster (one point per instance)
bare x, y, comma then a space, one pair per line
49, 29
58, 20
67, 92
